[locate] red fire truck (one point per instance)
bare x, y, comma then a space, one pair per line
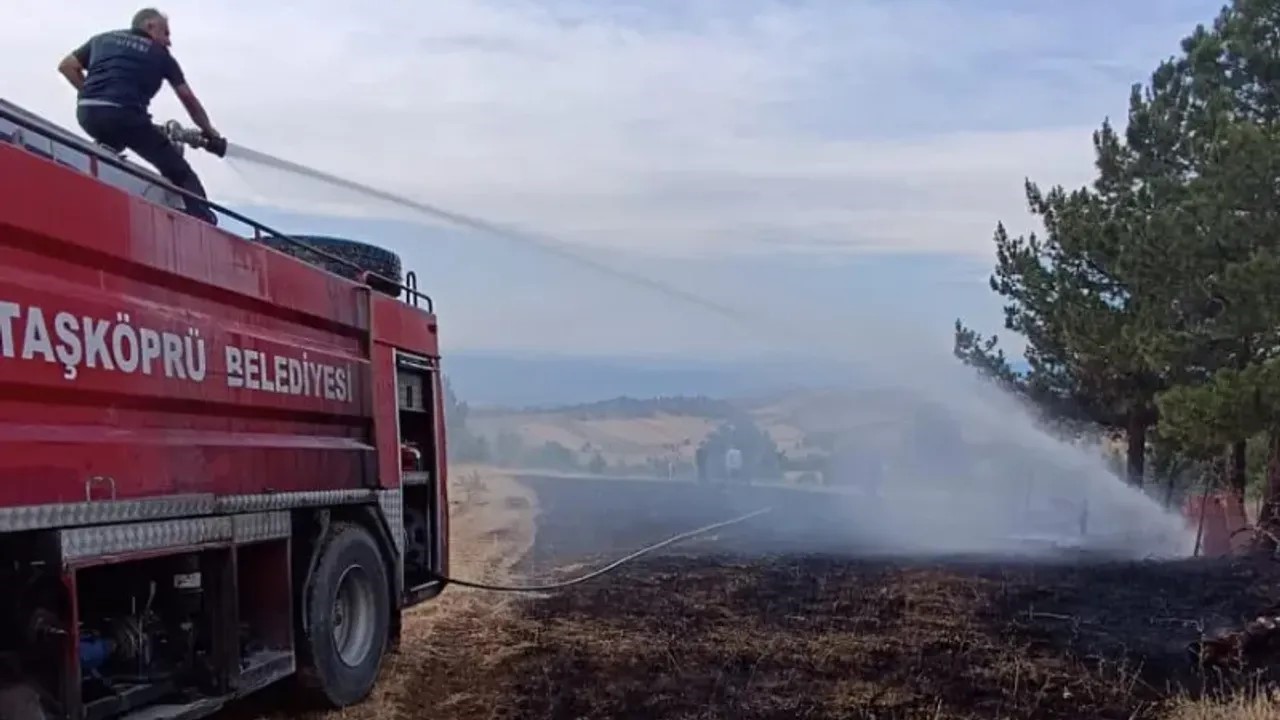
220, 465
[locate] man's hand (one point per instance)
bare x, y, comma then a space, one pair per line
215, 143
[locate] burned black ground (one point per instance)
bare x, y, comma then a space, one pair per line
827, 637
723, 628
711, 631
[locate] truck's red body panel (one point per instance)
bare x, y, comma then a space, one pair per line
167, 357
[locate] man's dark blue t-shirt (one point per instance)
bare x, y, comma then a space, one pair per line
126, 69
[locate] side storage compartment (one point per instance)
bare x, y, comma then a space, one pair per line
265, 630
165, 619
420, 474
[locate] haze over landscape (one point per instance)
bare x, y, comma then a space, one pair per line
830, 174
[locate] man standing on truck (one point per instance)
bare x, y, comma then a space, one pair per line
117, 73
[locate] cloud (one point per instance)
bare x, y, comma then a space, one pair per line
698, 127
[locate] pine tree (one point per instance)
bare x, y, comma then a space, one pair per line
1164, 273
1207, 141
1065, 297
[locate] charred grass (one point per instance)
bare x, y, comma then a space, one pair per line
706, 634
813, 637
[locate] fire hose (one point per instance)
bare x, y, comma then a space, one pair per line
607, 568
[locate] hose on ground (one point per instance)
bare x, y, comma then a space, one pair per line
607, 568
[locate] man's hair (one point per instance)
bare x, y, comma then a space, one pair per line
145, 16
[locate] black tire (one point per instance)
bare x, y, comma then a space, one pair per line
363, 256
350, 568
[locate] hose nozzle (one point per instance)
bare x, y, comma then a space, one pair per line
179, 135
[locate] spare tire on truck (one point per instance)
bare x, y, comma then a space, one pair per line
360, 257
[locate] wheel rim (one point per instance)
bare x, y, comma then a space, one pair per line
354, 615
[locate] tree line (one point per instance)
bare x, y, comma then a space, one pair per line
1150, 303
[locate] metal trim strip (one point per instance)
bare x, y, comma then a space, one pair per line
391, 506
85, 543
25, 518
78, 544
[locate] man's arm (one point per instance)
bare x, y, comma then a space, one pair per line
189, 100
73, 66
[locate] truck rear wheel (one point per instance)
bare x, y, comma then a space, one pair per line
348, 604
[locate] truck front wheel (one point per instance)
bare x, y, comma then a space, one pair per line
348, 617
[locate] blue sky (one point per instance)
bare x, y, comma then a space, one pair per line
818, 158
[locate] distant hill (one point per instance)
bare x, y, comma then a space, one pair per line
526, 380
649, 436
532, 419
629, 408
516, 380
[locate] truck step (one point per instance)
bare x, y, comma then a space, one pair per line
197, 709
